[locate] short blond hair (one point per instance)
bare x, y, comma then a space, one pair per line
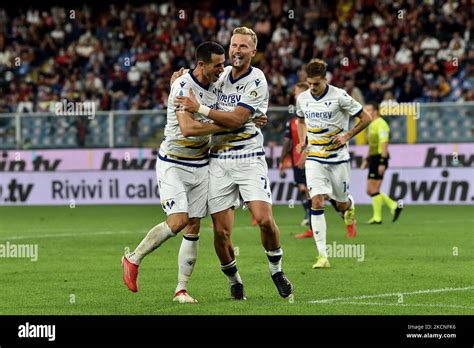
246, 31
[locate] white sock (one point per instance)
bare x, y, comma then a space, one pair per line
187, 259
274, 260
232, 273
318, 223
155, 237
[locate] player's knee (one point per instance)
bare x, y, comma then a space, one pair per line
221, 234
342, 206
193, 227
177, 223
265, 222
317, 202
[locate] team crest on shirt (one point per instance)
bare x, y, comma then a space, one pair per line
169, 203
253, 94
240, 88
200, 95
328, 104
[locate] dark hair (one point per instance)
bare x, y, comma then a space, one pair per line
315, 68
302, 85
205, 50
374, 104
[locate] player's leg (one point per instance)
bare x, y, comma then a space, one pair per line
373, 190
223, 222
318, 186
171, 182
154, 238
254, 187
340, 177
300, 180
223, 197
197, 192
187, 257
309, 231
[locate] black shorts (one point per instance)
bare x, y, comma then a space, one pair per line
374, 162
299, 175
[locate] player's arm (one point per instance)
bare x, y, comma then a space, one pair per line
190, 127
349, 105
284, 152
232, 120
302, 131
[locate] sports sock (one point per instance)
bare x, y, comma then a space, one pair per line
187, 259
318, 222
388, 201
231, 271
377, 202
155, 237
274, 260
307, 208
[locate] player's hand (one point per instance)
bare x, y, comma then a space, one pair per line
300, 147
340, 139
260, 121
187, 103
177, 74
302, 161
381, 169
281, 170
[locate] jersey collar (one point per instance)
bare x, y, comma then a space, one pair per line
205, 87
322, 95
241, 77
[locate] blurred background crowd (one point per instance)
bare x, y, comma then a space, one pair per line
121, 56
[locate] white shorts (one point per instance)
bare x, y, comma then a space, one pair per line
328, 179
230, 179
183, 189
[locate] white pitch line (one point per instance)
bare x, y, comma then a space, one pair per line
63, 235
74, 233
418, 292
440, 305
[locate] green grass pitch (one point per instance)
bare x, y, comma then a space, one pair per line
423, 264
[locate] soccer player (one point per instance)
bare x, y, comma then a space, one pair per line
237, 163
377, 161
324, 112
182, 171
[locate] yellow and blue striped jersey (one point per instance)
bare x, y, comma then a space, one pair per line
326, 116
251, 92
175, 147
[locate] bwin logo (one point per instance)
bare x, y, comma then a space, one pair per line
37, 331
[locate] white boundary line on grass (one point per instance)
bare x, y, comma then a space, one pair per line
79, 233
440, 305
418, 292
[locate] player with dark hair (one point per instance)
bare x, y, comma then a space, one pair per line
182, 170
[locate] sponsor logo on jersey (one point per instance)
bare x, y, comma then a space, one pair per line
315, 114
253, 94
257, 82
231, 98
182, 83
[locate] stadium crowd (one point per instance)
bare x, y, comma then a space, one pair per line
122, 56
